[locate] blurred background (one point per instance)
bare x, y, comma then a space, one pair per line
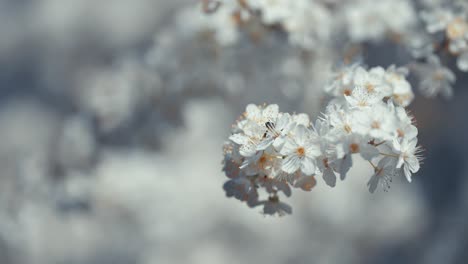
113, 116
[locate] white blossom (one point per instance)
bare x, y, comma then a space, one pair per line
369, 20
378, 122
383, 175
276, 151
434, 78
300, 152
274, 206
402, 93
408, 158
452, 20
277, 131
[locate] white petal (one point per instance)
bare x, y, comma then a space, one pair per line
411, 132
283, 122
285, 208
248, 150
302, 119
344, 166
239, 139
373, 183
289, 147
244, 164
396, 145
300, 135
368, 152
270, 112
308, 166
340, 151
400, 162
283, 186
329, 177
412, 144
291, 164
313, 150
377, 72
253, 112
407, 173
351, 101
278, 143
269, 208
462, 62
265, 143
413, 164
306, 183
360, 76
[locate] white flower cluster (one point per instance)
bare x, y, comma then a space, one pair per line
443, 37
275, 151
312, 23
308, 23
363, 87
439, 33
452, 22
434, 78
369, 20
222, 18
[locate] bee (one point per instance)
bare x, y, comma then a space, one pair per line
270, 125
270, 128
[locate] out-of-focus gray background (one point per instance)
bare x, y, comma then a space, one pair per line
111, 134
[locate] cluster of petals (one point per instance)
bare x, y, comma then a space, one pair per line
272, 150
312, 23
367, 116
452, 22
441, 36
362, 87
278, 151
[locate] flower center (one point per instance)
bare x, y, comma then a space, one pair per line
347, 92
273, 199
362, 103
300, 152
438, 76
370, 88
395, 77
354, 148
375, 125
401, 98
400, 133
457, 28
325, 162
